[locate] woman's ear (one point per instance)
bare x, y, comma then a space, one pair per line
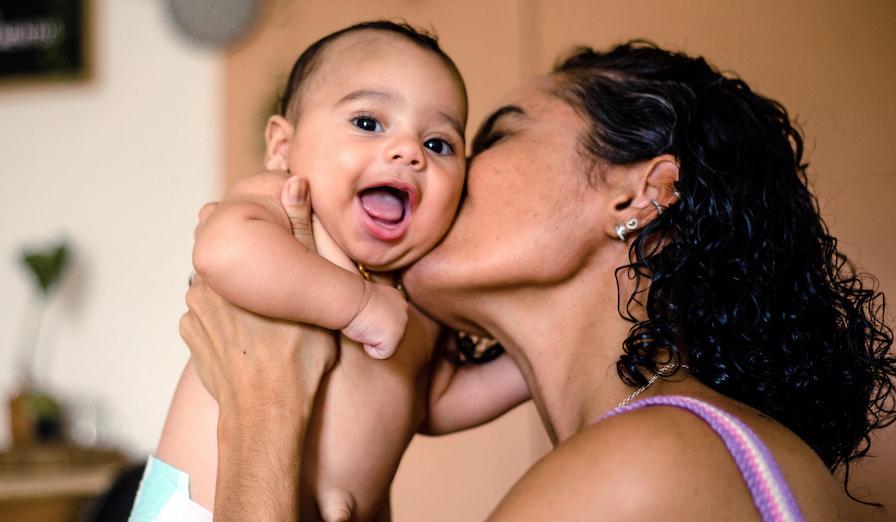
657, 183
643, 189
277, 137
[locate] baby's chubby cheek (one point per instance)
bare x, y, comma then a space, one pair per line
435, 220
334, 192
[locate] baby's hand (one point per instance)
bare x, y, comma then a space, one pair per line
380, 323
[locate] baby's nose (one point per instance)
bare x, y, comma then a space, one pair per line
413, 161
408, 152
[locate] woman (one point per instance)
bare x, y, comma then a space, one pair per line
633, 220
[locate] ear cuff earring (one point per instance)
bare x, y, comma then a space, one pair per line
623, 229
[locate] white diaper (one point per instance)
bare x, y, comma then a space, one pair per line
164, 496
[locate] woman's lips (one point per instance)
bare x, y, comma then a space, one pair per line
386, 208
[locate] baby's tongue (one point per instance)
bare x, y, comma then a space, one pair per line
383, 204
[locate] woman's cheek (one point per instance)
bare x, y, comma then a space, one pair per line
449, 206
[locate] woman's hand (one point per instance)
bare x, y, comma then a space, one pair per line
264, 373
247, 361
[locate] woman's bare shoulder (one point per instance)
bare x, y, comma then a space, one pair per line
656, 462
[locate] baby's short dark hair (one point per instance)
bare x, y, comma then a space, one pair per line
309, 60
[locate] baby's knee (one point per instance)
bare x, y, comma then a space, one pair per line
336, 505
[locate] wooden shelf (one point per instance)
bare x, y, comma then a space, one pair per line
54, 483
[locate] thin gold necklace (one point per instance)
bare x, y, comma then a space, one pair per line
662, 372
366, 275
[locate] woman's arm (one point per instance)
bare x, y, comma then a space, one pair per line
264, 374
246, 252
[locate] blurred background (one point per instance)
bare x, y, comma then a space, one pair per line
118, 119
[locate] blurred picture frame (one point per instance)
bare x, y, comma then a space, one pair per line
43, 40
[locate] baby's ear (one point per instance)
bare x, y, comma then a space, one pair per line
277, 137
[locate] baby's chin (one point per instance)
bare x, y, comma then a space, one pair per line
378, 256
385, 260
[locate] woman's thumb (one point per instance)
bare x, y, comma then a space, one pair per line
296, 201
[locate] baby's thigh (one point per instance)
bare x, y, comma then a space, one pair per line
189, 438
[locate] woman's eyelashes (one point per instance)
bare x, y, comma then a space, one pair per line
485, 141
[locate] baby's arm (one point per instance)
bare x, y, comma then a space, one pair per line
462, 397
245, 251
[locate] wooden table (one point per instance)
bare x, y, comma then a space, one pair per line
54, 483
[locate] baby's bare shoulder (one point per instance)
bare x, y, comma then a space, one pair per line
267, 184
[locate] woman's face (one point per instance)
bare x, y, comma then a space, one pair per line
529, 218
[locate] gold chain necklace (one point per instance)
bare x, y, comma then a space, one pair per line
366, 275
662, 372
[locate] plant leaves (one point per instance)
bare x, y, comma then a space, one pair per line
47, 265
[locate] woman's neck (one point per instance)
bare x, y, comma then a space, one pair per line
566, 340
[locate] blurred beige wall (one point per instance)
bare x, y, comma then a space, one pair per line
120, 163
832, 63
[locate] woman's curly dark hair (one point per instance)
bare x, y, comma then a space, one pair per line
748, 286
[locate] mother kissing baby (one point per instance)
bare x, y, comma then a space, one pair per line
636, 232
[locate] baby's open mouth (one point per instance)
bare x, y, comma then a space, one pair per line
386, 205
386, 209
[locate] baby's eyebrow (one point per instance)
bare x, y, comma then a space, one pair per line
453, 122
366, 94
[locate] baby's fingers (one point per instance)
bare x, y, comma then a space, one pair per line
381, 351
296, 202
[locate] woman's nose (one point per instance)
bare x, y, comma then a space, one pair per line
407, 151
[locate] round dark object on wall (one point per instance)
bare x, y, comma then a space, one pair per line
213, 23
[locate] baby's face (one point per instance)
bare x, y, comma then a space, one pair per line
380, 137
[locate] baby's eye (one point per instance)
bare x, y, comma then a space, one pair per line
439, 146
367, 123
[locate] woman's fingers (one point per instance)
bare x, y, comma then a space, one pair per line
296, 201
193, 331
242, 356
196, 287
197, 341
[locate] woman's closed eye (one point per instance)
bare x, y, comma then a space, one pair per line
485, 141
367, 123
497, 127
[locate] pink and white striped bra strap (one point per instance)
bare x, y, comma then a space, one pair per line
771, 494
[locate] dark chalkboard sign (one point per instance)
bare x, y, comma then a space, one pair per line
41, 38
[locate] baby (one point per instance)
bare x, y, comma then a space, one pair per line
374, 119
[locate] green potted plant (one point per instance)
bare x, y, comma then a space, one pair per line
35, 416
